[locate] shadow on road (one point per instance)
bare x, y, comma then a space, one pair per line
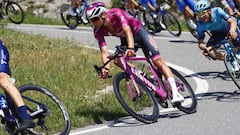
221, 96
129, 121
211, 75
183, 41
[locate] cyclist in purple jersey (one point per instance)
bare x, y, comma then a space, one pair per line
12, 93
219, 23
116, 22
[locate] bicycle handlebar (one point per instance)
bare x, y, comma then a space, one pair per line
120, 50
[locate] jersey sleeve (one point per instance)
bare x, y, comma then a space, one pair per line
100, 39
200, 31
120, 16
221, 13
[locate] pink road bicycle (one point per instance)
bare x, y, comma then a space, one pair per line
140, 90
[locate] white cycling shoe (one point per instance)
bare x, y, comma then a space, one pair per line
162, 25
84, 20
177, 98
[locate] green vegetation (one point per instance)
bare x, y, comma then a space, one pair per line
31, 19
65, 68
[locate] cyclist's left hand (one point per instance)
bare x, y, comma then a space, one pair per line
232, 34
104, 74
130, 53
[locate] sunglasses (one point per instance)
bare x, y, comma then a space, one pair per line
201, 14
94, 19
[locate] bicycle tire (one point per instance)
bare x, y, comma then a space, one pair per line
131, 106
70, 21
14, 12
172, 24
233, 74
55, 113
190, 101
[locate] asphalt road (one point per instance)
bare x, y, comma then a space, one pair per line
218, 97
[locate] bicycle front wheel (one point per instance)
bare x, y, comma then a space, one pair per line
234, 74
142, 106
172, 24
189, 105
14, 12
69, 20
52, 117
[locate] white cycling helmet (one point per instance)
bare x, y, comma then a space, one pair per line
202, 5
95, 10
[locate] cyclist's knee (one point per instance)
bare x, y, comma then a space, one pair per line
4, 79
159, 62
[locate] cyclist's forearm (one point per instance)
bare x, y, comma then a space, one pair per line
233, 24
104, 56
134, 3
151, 7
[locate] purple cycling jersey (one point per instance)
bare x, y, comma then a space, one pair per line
118, 19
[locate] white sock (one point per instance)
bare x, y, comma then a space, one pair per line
173, 85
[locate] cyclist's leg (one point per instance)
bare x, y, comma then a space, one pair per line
150, 50
189, 9
11, 90
186, 7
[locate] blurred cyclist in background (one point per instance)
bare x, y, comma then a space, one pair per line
186, 7
77, 8
131, 6
152, 8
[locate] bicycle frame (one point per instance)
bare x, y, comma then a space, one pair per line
228, 48
133, 71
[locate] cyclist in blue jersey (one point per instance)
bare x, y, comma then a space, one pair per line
186, 7
219, 23
77, 8
151, 6
12, 93
131, 6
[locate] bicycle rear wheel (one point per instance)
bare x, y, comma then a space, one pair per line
235, 75
142, 106
70, 21
14, 12
172, 24
52, 117
189, 105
